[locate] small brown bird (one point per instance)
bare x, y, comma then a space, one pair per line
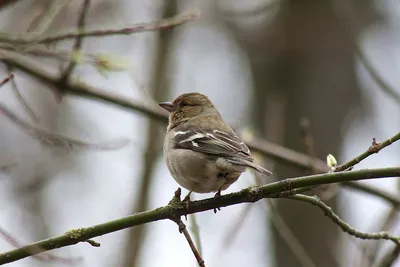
202, 152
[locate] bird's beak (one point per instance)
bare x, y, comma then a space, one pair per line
168, 106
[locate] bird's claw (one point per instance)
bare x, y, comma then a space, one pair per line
217, 196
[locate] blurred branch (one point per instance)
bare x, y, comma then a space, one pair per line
308, 141
289, 237
139, 27
44, 20
343, 225
393, 199
386, 223
176, 209
348, 27
196, 232
265, 147
78, 41
6, 79
390, 257
55, 140
21, 100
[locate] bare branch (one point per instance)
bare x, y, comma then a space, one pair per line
55, 140
36, 250
182, 228
22, 101
343, 225
78, 41
139, 27
373, 149
6, 79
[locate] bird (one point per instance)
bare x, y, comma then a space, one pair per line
201, 151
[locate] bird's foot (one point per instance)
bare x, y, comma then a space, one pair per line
217, 196
187, 200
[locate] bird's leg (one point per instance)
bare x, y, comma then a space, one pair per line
187, 200
216, 196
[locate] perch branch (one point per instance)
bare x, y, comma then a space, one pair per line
174, 210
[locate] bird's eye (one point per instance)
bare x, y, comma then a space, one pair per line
185, 103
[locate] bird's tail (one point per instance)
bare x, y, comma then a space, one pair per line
250, 164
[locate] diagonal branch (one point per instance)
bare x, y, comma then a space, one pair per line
139, 27
6, 79
373, 149
174, 210
345, 226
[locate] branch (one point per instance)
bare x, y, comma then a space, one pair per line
373, 149
78, 41
18, 95
42, 257
56, 140
183, 229
348, 26
6, 79
174, 210
139, 27
345, 226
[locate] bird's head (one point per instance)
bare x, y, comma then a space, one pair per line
188, 106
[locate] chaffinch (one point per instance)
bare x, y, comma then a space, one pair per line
202, 152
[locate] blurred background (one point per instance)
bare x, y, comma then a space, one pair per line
314, 76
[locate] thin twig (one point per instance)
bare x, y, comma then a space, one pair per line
6, 79
44, 20
176, 200
373, 149
183, 229
78, 42
56, 140
139, 27
343, 225
22, 100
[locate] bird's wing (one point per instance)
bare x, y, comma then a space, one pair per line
215, 142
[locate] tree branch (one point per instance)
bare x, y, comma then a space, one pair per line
345, 226
174, 210
139, 27
78, 41
373, 149
6, 79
